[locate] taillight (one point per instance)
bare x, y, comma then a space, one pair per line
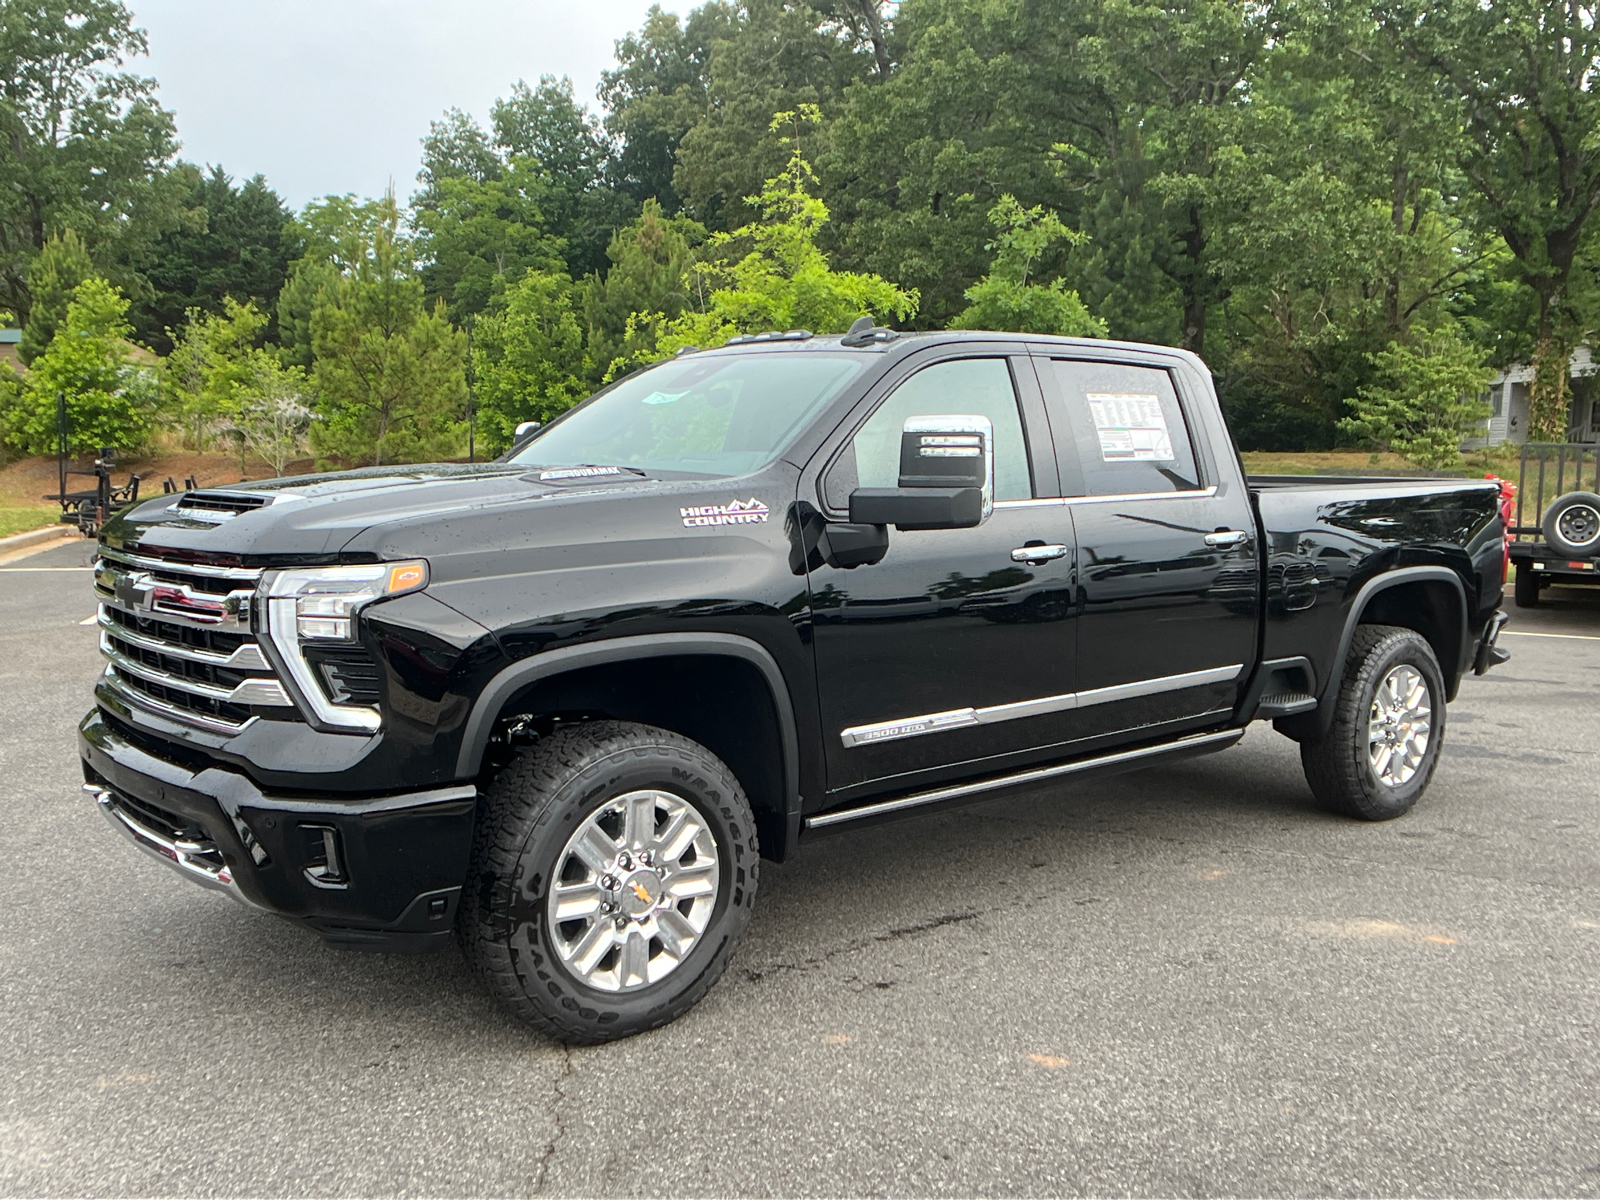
1508, 502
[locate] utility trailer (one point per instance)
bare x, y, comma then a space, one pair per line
1556, 532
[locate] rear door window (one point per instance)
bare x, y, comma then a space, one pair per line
1119, 430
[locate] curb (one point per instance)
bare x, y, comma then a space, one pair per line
35, 537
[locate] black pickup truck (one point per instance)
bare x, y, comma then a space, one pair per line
560, 706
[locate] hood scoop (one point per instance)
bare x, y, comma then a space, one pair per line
217, 506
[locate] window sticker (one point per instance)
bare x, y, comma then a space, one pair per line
1132, 427
663, 397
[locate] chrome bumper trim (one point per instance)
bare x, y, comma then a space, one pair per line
187, 858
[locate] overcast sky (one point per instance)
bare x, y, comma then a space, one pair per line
332, 96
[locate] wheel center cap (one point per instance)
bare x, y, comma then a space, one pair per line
640, 892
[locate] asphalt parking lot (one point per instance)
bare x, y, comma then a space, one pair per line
1187, 980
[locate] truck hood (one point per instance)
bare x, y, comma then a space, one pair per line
311, 518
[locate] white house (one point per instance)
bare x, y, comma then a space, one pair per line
1508, 403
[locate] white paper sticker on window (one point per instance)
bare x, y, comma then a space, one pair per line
1132, 428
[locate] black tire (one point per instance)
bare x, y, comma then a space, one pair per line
1526, 587
1338, 764
525, 821
1572, 525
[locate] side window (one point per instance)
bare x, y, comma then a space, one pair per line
1127, 427
972, 386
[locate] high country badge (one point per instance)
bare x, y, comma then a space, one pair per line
735, 512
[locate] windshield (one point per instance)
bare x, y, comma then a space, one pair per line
716, 416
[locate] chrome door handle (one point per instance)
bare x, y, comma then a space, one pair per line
1032, 554
1226, 537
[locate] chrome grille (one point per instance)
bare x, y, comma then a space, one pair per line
178, 641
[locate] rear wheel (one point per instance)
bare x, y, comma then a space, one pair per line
614, 872
1526, 587
1379, 755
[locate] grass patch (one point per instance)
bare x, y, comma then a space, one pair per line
21, 520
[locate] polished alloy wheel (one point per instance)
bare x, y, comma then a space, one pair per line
1399, 726
635, 887
1580, 524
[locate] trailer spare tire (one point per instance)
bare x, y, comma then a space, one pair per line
1572, 524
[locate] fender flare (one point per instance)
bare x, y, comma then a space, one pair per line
1374, 586
528, 671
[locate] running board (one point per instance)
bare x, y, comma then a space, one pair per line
1197, 741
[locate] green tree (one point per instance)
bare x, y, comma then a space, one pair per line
528, 357
269, 416
771, 274
1426, 399
1522, 73
1353, 233
239, 245
1005, 300
658, 92
214, 357
60, 267
980, 92
651, 261
480, 235
110, 399
86, 145
389, 373
776, 55
334, 233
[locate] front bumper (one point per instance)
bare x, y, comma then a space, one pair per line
381, 872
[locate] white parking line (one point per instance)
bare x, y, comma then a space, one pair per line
6, 570
94, 620
1576, 637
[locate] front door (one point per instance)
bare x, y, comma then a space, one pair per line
1167, 573
949, 656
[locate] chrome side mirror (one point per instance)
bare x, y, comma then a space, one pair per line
946, 477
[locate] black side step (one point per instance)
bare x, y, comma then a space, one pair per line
1285, 704
1199, 742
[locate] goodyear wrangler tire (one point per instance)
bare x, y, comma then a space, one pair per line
613, 874
1377, 758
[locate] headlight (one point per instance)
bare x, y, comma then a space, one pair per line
326, 599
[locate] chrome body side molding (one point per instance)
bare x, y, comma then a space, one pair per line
960, 718
1218, 740
1125, 497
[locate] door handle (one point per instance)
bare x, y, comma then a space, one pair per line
1038, 554
1226, 537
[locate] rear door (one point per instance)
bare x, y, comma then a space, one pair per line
1167, 587
951, 655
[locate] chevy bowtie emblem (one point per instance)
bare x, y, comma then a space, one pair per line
638, 890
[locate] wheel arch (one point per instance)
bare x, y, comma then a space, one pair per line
744, 709
1429, 600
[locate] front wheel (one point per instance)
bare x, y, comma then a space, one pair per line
1378, 756
613, 874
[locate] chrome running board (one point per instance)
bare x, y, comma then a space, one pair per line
917, 799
